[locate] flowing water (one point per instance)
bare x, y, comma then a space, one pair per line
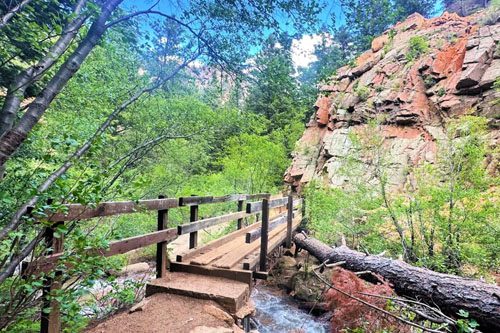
277, 312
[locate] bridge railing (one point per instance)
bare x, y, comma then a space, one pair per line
54, 241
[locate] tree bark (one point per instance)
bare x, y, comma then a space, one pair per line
11, 140
449, 292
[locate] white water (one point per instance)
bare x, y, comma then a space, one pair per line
278, 313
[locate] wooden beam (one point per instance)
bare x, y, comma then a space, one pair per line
264, 234
239, 224
193, 236
255, 234
81, 212
47, 263
260, 275
232, 274
161, 247
205, 223
289, 222
200, 200
251, 262
275, 203
195, 200
215, 243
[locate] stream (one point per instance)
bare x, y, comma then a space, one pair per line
277, 312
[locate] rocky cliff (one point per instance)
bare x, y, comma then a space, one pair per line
416, 75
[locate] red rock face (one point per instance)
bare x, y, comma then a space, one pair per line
410, 97
323, 105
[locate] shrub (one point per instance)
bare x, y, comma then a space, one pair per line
363, 92
418, 46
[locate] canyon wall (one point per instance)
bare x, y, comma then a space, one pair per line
416, 75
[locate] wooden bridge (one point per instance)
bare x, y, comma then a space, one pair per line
263, 225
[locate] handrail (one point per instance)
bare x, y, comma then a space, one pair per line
209, 222
83, 212
71, 212
274, 203
161, 237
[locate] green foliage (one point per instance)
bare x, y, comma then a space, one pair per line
362, 92
445, 219
466, 324
418, 46
367, 19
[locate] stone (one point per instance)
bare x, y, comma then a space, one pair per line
247, 310
379, 42
490, 74
135, 268
139, 306
219, 314
471, 76
323, 105
409, 97
481, 53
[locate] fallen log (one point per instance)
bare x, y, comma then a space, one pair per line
449, 292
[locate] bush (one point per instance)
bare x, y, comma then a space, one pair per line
363, 92
418, 46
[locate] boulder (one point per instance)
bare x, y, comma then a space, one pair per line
219, 314
491, 74
135, 268
379, 42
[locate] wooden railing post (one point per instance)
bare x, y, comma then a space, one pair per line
193, 236
264, 235
240, 208
161, 247
289, 221
51, 319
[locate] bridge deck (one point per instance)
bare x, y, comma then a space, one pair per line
231, 252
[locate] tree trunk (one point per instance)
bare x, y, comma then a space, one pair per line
450, 293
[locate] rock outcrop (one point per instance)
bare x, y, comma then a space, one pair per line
409, 90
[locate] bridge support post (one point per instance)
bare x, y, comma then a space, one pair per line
264, 235
161, 247
289, 221
240, 208
50, 315
193, 236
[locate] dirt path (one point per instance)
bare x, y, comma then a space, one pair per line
170, 313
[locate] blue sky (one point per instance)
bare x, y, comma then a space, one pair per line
302, 48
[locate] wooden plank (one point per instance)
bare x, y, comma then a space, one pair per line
233, 274
195, 200
217, 252
136, 242
47, 263
205, 223
253, 259
255, 234
232, 258
297, 202
257, 205
215, 243
260, 275
200, 200
81, 212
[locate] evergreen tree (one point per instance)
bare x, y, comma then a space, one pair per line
275, 92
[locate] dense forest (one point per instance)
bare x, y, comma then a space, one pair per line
127, 100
